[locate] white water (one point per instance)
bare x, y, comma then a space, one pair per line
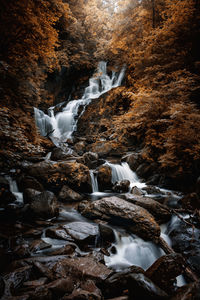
14, 189
132, 250
123, 172
95, 187
60, 126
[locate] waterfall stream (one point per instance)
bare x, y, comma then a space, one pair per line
122, 172
60, 126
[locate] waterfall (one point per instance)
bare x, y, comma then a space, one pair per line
14, 189
60, 126
122, 172
132, 250
95, 188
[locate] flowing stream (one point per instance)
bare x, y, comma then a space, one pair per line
129, 249
60, 126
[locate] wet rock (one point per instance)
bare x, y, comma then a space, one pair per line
21, 251
81, 267
80, 147
61, 286
35, 283
121, 186
29, 195
188, 292
186, 240
117, 283
4, 184
134, 160
41, 293
164, 271
68, 249
53, 175
44, 205
59, 154
82, 232
91, 160
15, 279
141, 287
136, 191
104, 177
38, 245
2, 286
107, 235
150, 189
145, 170
68, 194
121, 212
191, 201
158, 210
90, 286
28, 182
58, 233
80, 294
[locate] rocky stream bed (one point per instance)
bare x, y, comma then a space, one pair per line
80, 225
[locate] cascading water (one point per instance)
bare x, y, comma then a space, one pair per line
95, 188
122, 172
61, 126
14, 189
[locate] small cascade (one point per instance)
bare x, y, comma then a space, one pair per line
122, 172
95, 188
60, 126
14, 189
132, 250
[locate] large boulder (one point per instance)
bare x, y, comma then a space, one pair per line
90, 159
44, 205
164, 271
104, 177
59, 154
28, 182
134, 160
82, 232
118, 211
67, 194
158, 210
53, 175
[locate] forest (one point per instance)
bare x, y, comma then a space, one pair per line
99, 111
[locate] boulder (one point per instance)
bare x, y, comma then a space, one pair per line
134, 160
44, 205
121, 186
29, 195
159, 211
186, 240
104, 177
136, 191
82, 232
67, 194
117, 283
58, 233
81, 268
61, 286
118, 211
91, 160
188, 292
53, 175
141, 287
68, 249
164, 271
28, 182
107, 235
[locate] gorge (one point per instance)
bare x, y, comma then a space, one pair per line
99, 179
